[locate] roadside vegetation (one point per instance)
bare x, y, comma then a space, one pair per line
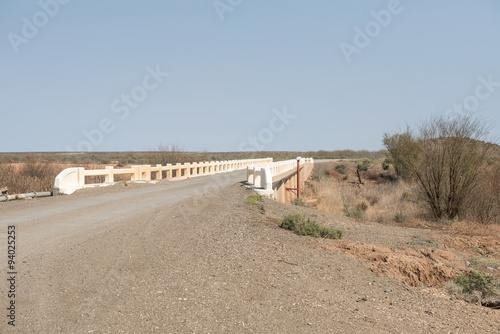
442, 175
299, 202
32, 175
308, 227
454, 170
476, 287
253, 199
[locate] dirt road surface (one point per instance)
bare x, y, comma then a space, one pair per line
192, 257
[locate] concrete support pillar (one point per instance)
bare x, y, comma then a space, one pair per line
159, 173
169, 171
250, 175
146, 169
80, 176
110, 176
137, 176
257, 177
267, 179
178, 170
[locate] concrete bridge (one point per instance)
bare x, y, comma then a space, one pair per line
277, 179
272, 179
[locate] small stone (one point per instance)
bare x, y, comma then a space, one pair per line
386, 290
309, 323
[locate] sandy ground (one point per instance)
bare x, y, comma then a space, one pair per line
168, 258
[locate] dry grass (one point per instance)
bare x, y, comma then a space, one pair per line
381, 201
387, 199
470, 228
33, 175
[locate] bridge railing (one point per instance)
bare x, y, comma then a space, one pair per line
261, 176
72, 179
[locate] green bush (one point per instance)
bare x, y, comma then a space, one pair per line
354, 212
400, 217
302, 226
341, 169
364, 165
309, 227
299, 202
386, 164
475, 281
330, 233
447, 158
291, 221
253, 199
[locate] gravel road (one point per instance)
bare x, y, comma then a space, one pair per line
191, 257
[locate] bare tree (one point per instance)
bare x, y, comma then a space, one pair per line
169, 154
446, 157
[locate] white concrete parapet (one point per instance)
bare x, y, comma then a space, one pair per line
72, 179
69, 180
261, 176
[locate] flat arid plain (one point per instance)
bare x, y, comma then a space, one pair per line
166, 257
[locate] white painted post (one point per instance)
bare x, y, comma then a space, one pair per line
159, 173
250, 175
267, 179
257, 177
137, 176
110, 176
169, 171
147, 172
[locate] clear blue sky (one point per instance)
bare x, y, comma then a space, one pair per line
69, 68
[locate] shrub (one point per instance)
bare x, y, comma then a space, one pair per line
445, 157
302, 226
362, 206
386, 164
354, 212
400, 217
330, 233
483, 205
364, 165
341, 169
291, 221
308, 227
299, 202
253, 199
314, 177
168, 154
30, 176
475, 281
372, 199
484, 262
